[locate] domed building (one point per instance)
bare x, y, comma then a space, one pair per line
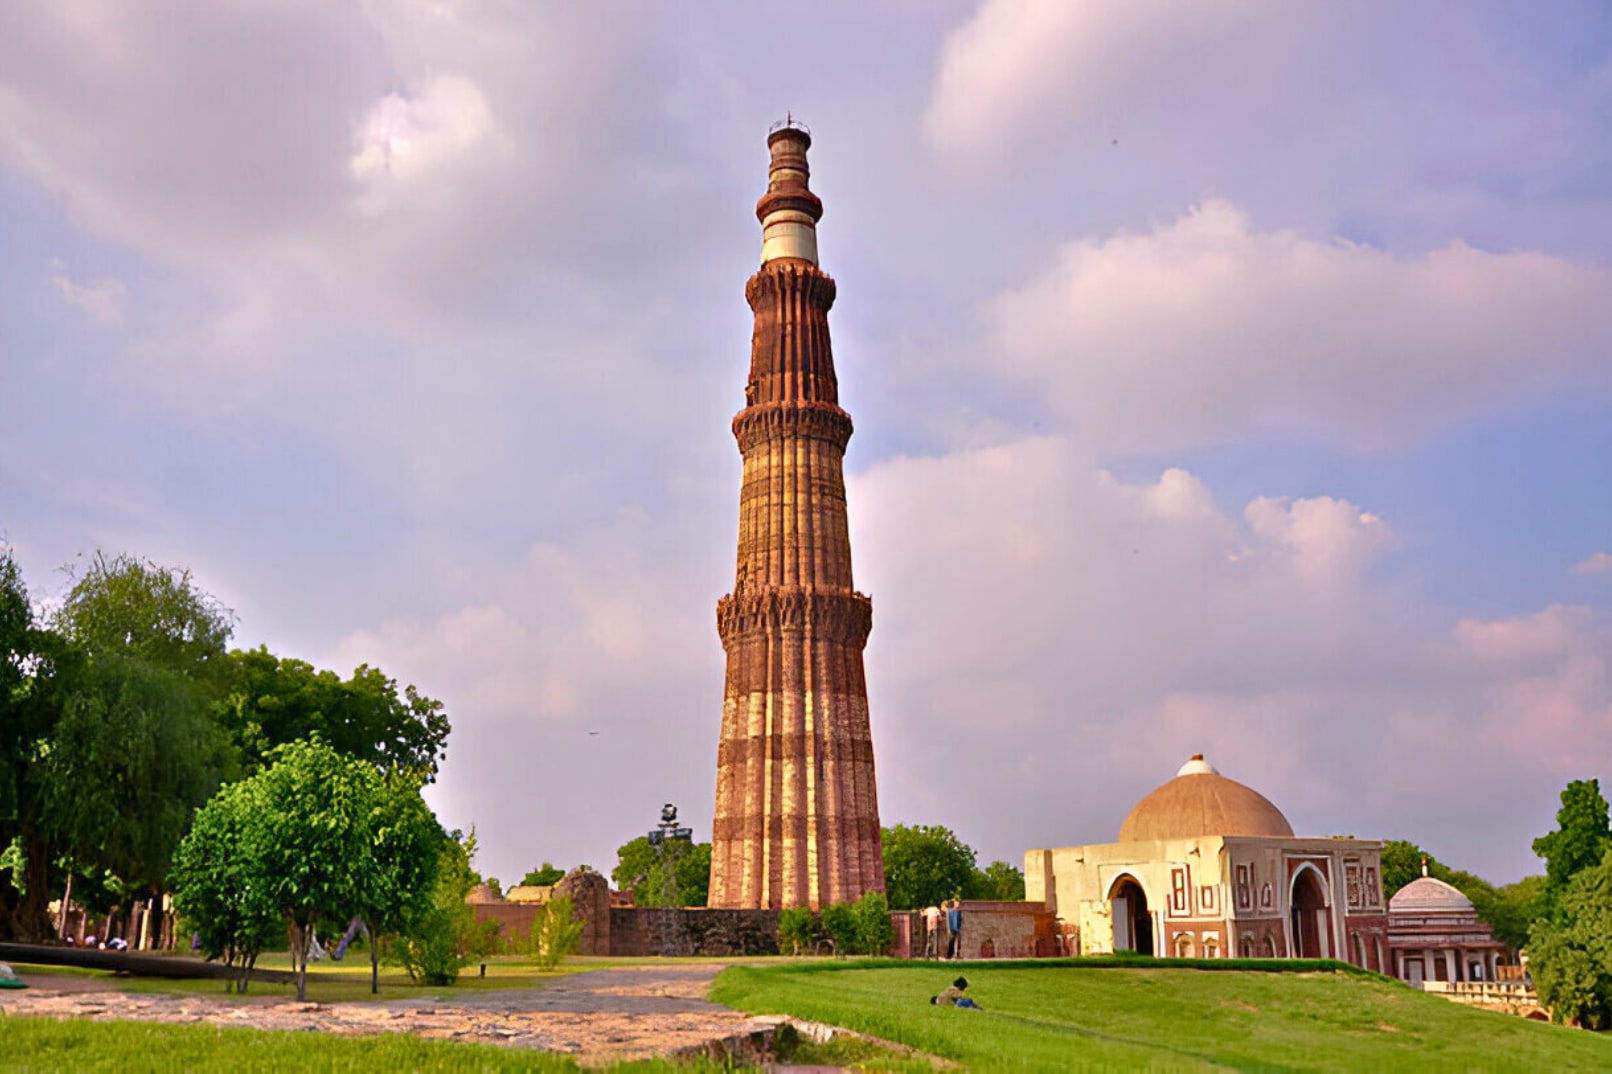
1435, 935
1207, 867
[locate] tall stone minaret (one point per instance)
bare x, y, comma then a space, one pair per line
797, 816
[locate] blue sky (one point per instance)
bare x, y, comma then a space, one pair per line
1228, 377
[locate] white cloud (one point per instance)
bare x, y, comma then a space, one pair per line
1599, 563
1275, 638
566, 642
1204, 330
412, 140
101, 300
1023, 69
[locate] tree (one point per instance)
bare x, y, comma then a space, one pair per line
220, 889
544, 876
1514, 909
34, 664
1402, 863
134, 752
924, 865
273, 700
408, 845
157, 615
1581, 838
641, 868
318, 847
998, 882
1571, 956
119, 745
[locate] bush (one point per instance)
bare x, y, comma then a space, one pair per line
840, 925
797, 930
554, 932
874, 932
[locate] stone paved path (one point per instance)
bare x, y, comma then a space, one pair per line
599, 1016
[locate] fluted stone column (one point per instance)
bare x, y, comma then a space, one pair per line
797, 814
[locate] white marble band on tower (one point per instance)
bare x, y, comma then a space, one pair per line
789, 211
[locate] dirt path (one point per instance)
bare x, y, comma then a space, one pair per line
599, 1016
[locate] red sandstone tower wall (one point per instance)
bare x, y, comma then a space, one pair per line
797, 814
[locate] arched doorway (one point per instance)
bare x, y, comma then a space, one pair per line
1133, 925
1311, 918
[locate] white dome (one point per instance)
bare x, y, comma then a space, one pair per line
1427, 894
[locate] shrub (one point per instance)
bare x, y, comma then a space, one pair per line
554, 932
874, 932
840, 925
797, 930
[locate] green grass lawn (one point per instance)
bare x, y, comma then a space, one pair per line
39, 1044
331, 982
1065, 1015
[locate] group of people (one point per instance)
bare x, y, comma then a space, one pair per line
943, 930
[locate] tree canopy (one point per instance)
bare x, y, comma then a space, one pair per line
1571, 955
274, 700
640, 869
925, 865
544, 875
1581, 838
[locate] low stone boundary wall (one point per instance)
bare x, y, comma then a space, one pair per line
645, 930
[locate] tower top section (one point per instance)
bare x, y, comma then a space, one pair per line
789, 211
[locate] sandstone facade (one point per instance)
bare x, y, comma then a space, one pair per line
797, 817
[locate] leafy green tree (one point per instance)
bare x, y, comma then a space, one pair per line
131, 749
556, 932
641, 868
136, 609
318, 850
998, 882
407, 845
35, 665
1402, 863
273, 700
1571, 956
221, 891
135, 751
545, 875
1581, 838
1513, 910
924, 865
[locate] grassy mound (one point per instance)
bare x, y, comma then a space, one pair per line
1073, 1014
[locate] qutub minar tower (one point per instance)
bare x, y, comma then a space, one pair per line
797, 816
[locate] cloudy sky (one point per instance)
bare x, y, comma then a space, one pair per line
1228, 377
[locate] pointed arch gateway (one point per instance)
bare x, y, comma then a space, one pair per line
1133, 923
1310, 914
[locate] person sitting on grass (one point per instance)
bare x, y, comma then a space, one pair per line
954, 996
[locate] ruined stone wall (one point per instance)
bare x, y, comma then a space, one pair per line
1008, 930
638, 931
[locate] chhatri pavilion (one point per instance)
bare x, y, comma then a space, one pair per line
1207, 867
